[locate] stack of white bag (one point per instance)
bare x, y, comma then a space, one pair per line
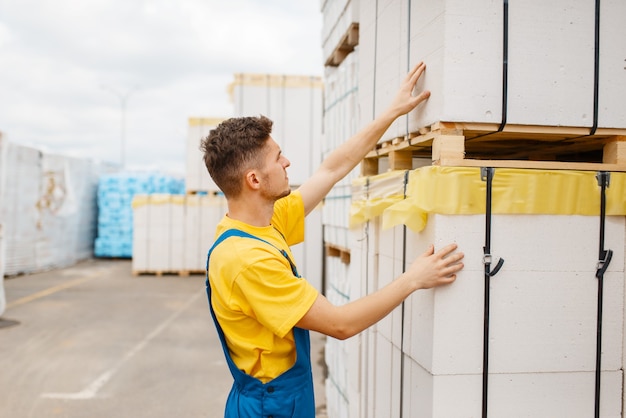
47, 208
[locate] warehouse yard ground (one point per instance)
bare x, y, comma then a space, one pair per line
94, 340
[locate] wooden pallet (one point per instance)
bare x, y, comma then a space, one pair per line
516, 146
159, 273
200, 192
348, 41
337, 251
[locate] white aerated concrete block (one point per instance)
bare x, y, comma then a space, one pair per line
141, 237
418, 391
173, 233
341, 106
510, 395
177, 233
335, 216
213, 208
197, 178
542, 324
195, 260
294, 103
369, 376
308, 254
338, 16
160, 233
203, 213
541, 298
387, 378
549, 82
3, 300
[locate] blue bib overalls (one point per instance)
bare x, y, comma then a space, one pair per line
288, 395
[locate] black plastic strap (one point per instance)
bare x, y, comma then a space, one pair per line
505, 72
487, 174
596, 69
604, 259
603, 263
402, 314
505, 64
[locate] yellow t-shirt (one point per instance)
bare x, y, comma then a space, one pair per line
256, 298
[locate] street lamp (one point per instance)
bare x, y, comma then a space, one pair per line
123, 99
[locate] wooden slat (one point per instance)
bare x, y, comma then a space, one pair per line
159, 273
516, 146
448, 146
369, 166
543, 165
346, 45
338, 251
400, 160
615, 151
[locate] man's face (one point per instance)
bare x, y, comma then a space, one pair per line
274, 172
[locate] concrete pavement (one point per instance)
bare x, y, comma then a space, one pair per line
94, 341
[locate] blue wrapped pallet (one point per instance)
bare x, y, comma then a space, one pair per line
115, 213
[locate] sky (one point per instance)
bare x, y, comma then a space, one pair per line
67, 67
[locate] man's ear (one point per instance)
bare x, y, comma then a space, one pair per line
252, 180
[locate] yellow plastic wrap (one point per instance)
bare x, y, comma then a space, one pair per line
160, 198
372, 195
139, 200
460, 190
177, 199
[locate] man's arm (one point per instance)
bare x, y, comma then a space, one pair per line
345, 157
341, 322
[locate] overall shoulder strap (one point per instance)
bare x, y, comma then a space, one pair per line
239, 233
232, 233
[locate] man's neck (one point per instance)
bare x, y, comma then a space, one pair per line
251, 211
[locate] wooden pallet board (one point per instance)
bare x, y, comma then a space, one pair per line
202, 192
159, 273
346, 45
515, 146
337, 251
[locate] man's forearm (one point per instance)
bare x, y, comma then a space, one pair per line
349, 154
352, 152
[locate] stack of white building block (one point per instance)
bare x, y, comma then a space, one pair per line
340, 110
172, 233
551, 47
294, 104
197, 178
2, 251
542, 322
425, 358
340, 29
3, 300
341, 121
47, 207
202, 214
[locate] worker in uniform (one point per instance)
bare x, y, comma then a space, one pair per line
262, 308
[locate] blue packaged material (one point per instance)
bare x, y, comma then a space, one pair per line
115, 212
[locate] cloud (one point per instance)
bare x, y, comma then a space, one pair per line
62, 58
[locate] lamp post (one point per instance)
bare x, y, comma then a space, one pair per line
123, 100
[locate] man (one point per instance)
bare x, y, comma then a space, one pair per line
262, 309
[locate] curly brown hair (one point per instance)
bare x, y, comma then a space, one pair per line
233, 147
